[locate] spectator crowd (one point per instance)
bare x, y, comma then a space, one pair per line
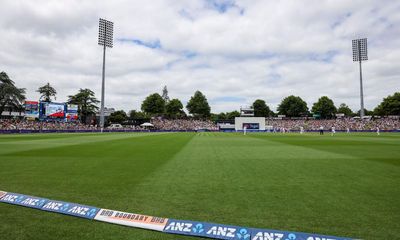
159, 124
195, 125
339, 124
14, 124
183, 124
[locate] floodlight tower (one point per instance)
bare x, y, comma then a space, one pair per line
106, 29
360, 54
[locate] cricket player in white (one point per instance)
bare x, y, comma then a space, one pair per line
333, 131
348, 130
377, 131
301, 130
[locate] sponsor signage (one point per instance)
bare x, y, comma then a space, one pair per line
266, 234
72, 112
55, 110
182, 227
52, 110
23, 200
2, 194
131, 219
210, 230
31, 109
70, 209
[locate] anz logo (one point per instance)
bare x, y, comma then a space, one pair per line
270, 236
33, 202
198, 228
179, 227
84, 211
13, 198
54, 206
79, 210
212, 231
243, 234
222, 231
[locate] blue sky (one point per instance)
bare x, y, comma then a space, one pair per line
233, 51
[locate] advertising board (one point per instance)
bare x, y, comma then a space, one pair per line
23, 200
131, 219
31, 109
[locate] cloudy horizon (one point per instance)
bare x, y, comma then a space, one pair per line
233, 51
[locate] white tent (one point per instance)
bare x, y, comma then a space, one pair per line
146, 124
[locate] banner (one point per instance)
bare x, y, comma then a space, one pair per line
209, 230
182, 227
131, 219
72, 112
31, 109
23, 200
55, 110
2, 194
52, 110
266, 234
70, 209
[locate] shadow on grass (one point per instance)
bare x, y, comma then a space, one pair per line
362, 147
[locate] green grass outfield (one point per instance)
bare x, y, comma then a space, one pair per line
346, 185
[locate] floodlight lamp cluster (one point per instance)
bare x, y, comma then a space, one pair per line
360, 52
106, 29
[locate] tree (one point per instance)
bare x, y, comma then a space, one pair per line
165, 94
218, 117
293, 106
10, 95
133, 114
174, 108
343, 108
324, 107
232, 115
47, 91
214, 117
260, 108
389, 105
154, 104
198, 105
117, 117
86, 102
225, 116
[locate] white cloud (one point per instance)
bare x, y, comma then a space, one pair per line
243, 49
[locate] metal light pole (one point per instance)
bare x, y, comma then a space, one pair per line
360, 54
106, 29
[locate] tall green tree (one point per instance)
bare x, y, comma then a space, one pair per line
87, 103
324, 107
174, 108
154, 104
261, 109
390, 105
198, 105
11, 96
118, 117
343, 108
293, 106
46, 92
